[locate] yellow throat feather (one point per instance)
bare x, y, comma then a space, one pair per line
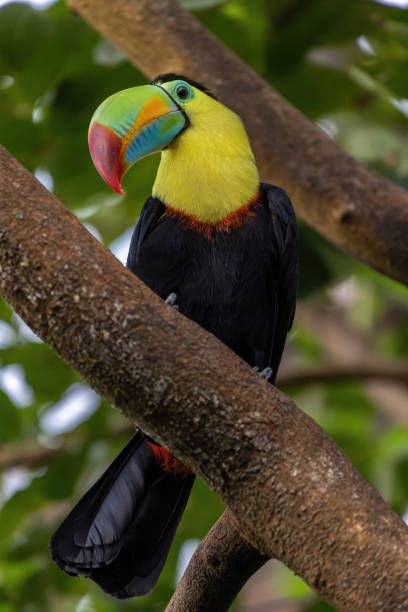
209, 171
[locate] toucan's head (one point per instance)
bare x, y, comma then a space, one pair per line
136, 122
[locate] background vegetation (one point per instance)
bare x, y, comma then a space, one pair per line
344, 65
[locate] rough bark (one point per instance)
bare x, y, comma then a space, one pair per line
218, 570
294, 493
363, 213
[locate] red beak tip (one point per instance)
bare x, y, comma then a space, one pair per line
105, 147
117, 188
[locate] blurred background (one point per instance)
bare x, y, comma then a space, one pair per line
344, 64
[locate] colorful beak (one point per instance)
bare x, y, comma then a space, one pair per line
130, 125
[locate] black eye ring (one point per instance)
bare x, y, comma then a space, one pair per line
182, 92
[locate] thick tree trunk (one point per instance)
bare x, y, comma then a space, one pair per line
294, 494
362, 212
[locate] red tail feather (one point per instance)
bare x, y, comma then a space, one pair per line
168, 462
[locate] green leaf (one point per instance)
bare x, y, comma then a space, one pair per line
10, 419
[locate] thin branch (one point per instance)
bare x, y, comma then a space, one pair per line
339, 341
338, 372
294, 494
218, 570
361, 211
34, 455
26, 457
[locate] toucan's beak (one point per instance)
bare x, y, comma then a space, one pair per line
130, 125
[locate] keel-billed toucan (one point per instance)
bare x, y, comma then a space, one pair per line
224, 247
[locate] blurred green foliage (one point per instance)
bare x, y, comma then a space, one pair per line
344, 65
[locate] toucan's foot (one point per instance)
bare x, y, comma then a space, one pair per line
171, 300
266, 373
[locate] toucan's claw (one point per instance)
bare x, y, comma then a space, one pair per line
171, 300
266, 373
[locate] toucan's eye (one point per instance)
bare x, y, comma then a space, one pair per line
183, 92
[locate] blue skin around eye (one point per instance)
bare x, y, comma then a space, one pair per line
190, 91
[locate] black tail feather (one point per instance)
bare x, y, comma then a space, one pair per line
119, 534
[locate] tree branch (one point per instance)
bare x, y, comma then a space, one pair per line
294, 493
12, 456
218, 570
26, 457
339, 341
360, 211
336, 372
31, 456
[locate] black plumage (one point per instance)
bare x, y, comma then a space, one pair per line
239, 284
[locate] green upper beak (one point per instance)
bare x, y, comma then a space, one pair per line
129, 125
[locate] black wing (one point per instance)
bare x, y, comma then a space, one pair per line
152, 210
285, 241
